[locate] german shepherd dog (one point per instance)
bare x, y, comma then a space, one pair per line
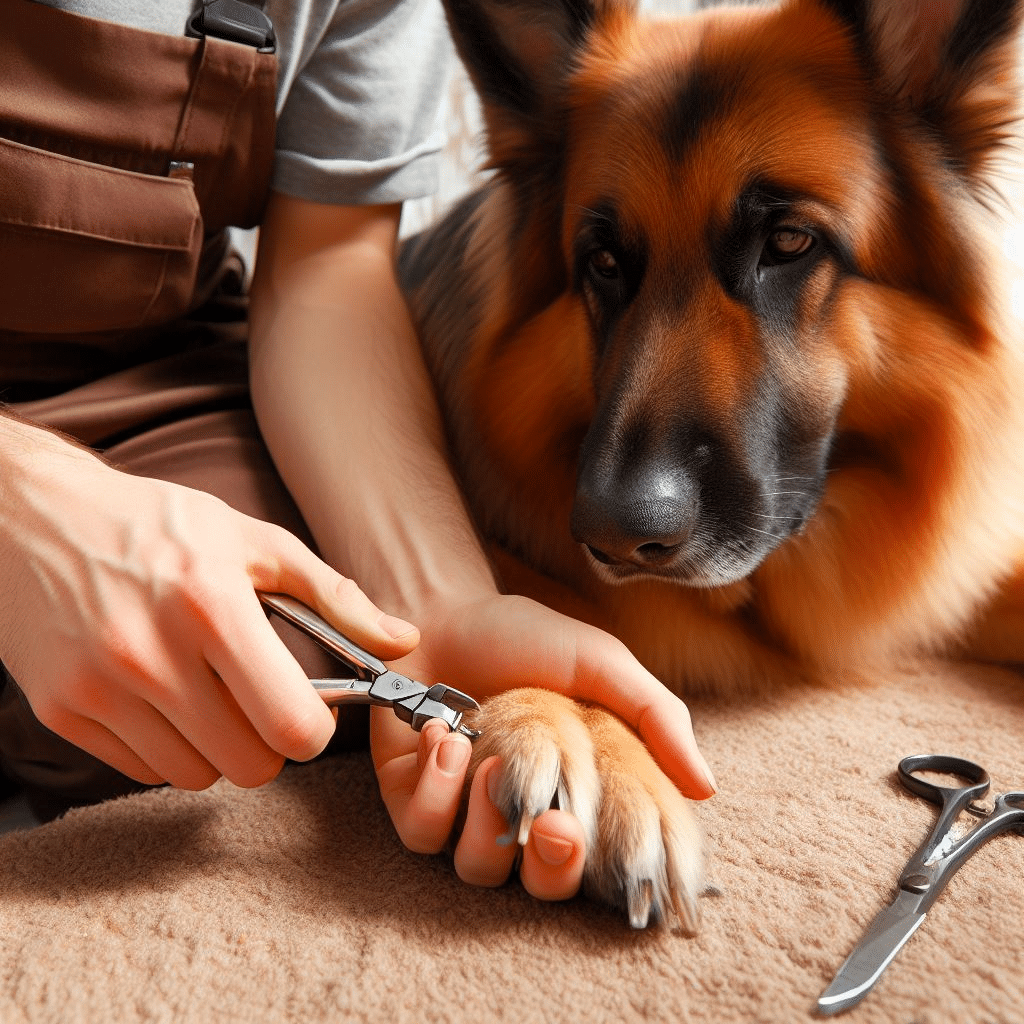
725, 365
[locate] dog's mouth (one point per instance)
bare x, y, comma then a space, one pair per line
695, 516
703, 558
678, 567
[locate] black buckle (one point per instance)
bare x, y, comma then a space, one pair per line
234, 20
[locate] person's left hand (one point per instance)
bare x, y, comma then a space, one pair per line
493, 644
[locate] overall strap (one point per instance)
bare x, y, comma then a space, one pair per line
238, 21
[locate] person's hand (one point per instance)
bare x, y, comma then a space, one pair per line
495, 644
130, 619
421, 780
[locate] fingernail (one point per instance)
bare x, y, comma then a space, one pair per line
453, 755
434, 733
395, 628
550, 850
710, 780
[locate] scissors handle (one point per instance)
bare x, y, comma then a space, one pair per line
362, 663
943, 853
945, 765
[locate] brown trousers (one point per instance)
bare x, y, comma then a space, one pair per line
122, 313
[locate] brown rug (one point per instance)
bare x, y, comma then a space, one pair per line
296, 903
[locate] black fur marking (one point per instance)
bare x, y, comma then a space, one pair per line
982, 25
581, 18
853, 12
499, 73
601, 230
703, 95
494, 69
770, 288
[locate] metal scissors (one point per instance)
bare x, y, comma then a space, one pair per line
374, 682
928, 871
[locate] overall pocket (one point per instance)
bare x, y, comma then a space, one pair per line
85, 247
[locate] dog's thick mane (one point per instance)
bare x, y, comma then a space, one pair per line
921, 517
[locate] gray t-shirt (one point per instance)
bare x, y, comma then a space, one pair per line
359, 87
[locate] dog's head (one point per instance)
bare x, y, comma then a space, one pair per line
738, 212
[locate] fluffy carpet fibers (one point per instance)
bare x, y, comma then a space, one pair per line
296, 903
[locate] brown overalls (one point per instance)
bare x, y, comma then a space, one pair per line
124, 156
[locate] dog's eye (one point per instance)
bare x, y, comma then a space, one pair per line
604, 264
787, 244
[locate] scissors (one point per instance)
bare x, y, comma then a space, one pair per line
927, 872
374, 682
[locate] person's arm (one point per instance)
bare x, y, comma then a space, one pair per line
346, 406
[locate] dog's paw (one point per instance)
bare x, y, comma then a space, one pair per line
643, 846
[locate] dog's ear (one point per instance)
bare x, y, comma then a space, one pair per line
519, 54
951, 62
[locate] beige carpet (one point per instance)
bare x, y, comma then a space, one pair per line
295, 903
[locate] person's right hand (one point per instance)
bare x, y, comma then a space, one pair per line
129, 618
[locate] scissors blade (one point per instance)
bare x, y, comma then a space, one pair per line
884, 938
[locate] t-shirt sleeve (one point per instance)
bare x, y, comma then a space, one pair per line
359, 123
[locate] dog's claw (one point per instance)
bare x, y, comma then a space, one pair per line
640, 900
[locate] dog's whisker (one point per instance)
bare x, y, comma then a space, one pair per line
774, 536
593, 213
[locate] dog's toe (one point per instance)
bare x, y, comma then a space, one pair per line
648, 857
547, 760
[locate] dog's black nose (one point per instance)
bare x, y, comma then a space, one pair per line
626, 529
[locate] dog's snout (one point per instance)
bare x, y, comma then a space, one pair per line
636, 531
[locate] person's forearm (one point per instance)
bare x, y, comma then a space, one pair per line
348, 412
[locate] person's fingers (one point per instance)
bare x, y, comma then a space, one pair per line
552, 861
430, 813
262, 676
210, 720
554, 857
265, 680
287, 566
175, 761
392, 739
484, 855
665, 726
162, 746
422, 788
